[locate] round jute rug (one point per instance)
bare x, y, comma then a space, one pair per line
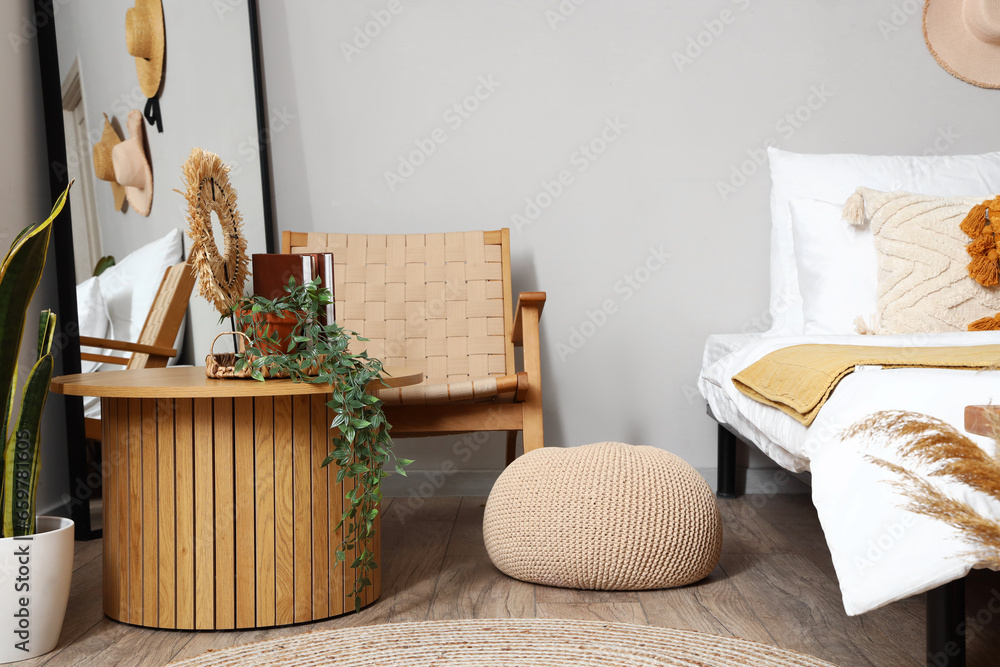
503, 643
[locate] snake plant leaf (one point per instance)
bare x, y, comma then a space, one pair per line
21, 453
19, 276
46, 332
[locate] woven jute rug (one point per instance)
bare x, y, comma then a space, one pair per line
503, 643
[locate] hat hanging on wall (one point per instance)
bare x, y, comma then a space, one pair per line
964, 37
145, 39
132, 167
103, 167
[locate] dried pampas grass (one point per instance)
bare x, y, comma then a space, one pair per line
949, 454
221, 278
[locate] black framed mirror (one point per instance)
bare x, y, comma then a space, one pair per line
211, 95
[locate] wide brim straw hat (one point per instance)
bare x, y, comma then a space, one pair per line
103, 167
146, 42
132, 167
964, 37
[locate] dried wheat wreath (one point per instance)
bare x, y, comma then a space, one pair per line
220, 277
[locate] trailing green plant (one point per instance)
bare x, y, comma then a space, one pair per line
20, 274
318, 352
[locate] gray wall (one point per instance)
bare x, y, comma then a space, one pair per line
808, 75
24, 191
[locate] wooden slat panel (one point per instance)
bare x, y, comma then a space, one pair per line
124, 526
302, 482
321, 556
110, 454
204, 516
225, 516
184, 503
135, 510
165, 463
264, 463
246, 592
284, 515
150, 549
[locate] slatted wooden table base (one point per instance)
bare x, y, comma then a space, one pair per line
224, 518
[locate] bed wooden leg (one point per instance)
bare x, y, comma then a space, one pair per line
946, 625
727, 464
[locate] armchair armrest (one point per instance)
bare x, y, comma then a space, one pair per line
124, 346
533, 301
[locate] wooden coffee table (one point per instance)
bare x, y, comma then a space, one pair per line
218, 514
977, 418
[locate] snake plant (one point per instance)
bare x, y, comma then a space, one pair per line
20, 274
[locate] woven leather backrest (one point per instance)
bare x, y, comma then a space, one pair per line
430, 301
165, 315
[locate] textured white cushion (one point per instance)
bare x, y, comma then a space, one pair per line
837, 267
923, 280
130, 286
834, 178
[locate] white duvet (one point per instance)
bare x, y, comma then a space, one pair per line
881, 552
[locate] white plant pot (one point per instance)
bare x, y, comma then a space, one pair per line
35, 572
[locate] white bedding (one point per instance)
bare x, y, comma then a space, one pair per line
880, 552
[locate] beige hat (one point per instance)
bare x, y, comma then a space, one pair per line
964, 37
103, 168
145, 39
132, 168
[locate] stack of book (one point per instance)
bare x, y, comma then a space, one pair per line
271, 273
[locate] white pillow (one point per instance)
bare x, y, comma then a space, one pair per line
130, 286
837, 267
92, 315
834, 178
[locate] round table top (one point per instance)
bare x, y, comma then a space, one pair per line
191, 382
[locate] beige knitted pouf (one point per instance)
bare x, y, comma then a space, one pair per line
606, 516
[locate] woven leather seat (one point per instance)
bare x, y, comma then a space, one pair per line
440, 303
606, 516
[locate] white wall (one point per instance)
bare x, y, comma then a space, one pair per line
685, 127
24, 191
207, 99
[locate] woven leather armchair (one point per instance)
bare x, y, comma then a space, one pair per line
441, 303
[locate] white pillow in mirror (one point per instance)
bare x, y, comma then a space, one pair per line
834, 178
92, 315
837, 267
130, 286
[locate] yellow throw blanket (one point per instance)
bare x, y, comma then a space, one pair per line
799, 379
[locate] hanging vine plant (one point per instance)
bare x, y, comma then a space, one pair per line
362, 447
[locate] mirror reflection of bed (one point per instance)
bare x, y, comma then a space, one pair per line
99, 77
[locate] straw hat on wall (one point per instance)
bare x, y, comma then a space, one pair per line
103, 168
964, 37
132, 168
146, 42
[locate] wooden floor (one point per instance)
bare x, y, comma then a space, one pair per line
775, 585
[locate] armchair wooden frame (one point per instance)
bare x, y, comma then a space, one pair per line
155, 345
520, 329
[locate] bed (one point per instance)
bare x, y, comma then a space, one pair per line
820, 280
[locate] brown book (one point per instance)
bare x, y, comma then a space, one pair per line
271, 273
323, 263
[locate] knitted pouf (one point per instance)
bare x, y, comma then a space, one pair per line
606, 516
